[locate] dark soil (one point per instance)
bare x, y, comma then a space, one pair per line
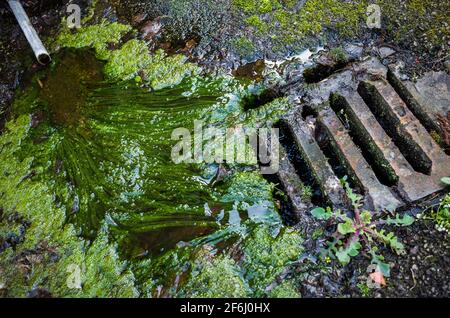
424, 270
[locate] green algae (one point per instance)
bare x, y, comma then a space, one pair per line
240, 260
246, 268
50, 245
132, 58
90, 171
265, 257
95, 36
204, 282
158, 70
165, 71
66, 98
248, 187
267, 114
126, 62
286, 289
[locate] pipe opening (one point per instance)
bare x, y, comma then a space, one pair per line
44, 58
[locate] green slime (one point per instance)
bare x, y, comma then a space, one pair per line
86, 161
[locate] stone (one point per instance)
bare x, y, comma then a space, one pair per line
385, 52
355, 51
447, 65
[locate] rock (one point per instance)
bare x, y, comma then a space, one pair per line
355, 51
414, 250
385, 52
39, 293
151, 28
447, 65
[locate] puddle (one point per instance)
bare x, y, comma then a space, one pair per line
67, 87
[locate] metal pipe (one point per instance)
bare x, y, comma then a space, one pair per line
30, 33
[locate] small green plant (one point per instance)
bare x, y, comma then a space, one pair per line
364, 289
307, 193
360, 233
338, 55
439, 213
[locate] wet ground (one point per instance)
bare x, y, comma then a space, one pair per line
423, 272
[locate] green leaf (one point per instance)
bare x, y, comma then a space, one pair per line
355, 198
321, 213
344, 255
347, 227
383, 267
392, 241
446, 180
407, 220
366, 217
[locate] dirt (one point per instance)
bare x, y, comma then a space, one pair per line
422, 272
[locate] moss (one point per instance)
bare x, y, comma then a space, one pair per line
96, 36
292, 23
257, 23
256, 6
216, 278
243, 46
286, 289
265, 256
307, 193
339, 55
50, 245
286, 23
159, 70
408, 21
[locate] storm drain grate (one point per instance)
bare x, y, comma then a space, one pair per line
378, 129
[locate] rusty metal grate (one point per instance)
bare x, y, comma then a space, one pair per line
379, 129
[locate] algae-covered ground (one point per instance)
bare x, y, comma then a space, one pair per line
89, 183
91, 202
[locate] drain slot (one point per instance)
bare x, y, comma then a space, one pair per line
371, 153
300, 165
257, 100
411, 99
329, 150
416, 157
287, 210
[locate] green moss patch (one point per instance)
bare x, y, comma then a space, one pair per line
132, 59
